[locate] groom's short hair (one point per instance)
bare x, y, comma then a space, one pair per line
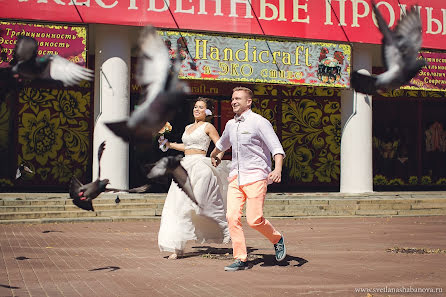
246, 90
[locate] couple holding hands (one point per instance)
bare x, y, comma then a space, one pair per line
222, 187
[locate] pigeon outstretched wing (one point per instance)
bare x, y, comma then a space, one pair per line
162, 92
67, 72
400, 49
172, 165
26, 64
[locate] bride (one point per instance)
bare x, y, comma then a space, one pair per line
181, 220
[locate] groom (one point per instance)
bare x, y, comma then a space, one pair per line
253, 140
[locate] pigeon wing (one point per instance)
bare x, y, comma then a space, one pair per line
67, 72
100, 152
18, 173
74, 188
387, 40
120, 129
362, 83
140, 189
75, 185
152, 71
181, 177
409, 34
141, 132
159, 169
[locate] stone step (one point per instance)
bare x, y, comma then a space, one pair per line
58, 207
78, 214
72, 207
85, 219
65, 201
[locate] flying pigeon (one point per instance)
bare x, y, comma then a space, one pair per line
400, 49
83, 195
162, 92
172, 165
21, 169
26, 65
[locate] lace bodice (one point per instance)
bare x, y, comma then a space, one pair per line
197, 139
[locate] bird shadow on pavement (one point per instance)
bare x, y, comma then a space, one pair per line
270, 260
109, 268
9, 287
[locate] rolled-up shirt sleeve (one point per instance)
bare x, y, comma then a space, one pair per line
224, 143
270, 138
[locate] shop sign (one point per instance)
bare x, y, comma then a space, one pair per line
337, 20
251, 59
66, 41
432, 77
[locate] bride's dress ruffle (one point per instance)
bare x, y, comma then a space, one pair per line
182, 220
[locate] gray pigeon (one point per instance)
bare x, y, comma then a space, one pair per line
162, 92
172, 165
83, 195
27, 65
400, 49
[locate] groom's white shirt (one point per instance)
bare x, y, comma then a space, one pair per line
253, 141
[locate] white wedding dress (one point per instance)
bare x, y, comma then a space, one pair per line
181, 219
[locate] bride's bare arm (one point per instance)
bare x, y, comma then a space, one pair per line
175, 146
213, 134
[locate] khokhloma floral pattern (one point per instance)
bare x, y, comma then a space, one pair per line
308, 123
54, 133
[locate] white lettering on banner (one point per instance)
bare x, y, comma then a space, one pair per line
179, 7
341, 12
76, 2
296, 8
103, 5
234, 8
356, 15
391, 12
218, 7
431, 19
202, 7
444, 20
152, 7
132, 4
275, 12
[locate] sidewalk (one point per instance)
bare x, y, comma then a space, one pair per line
326, 257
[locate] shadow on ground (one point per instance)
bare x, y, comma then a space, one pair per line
264, 260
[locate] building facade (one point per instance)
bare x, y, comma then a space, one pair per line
297, 57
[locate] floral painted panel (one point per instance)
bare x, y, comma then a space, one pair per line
311, 137
308, 123
54, 134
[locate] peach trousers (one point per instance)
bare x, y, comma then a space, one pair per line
254, 196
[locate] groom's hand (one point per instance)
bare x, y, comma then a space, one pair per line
275, 176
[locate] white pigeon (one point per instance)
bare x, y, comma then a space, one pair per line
162, 92
26, 64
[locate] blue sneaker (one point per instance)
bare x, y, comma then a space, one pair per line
237, 265
280, 250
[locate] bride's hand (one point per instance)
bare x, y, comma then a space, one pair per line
216, 161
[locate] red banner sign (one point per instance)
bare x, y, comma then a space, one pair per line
432, 77
316, 19
66, 41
